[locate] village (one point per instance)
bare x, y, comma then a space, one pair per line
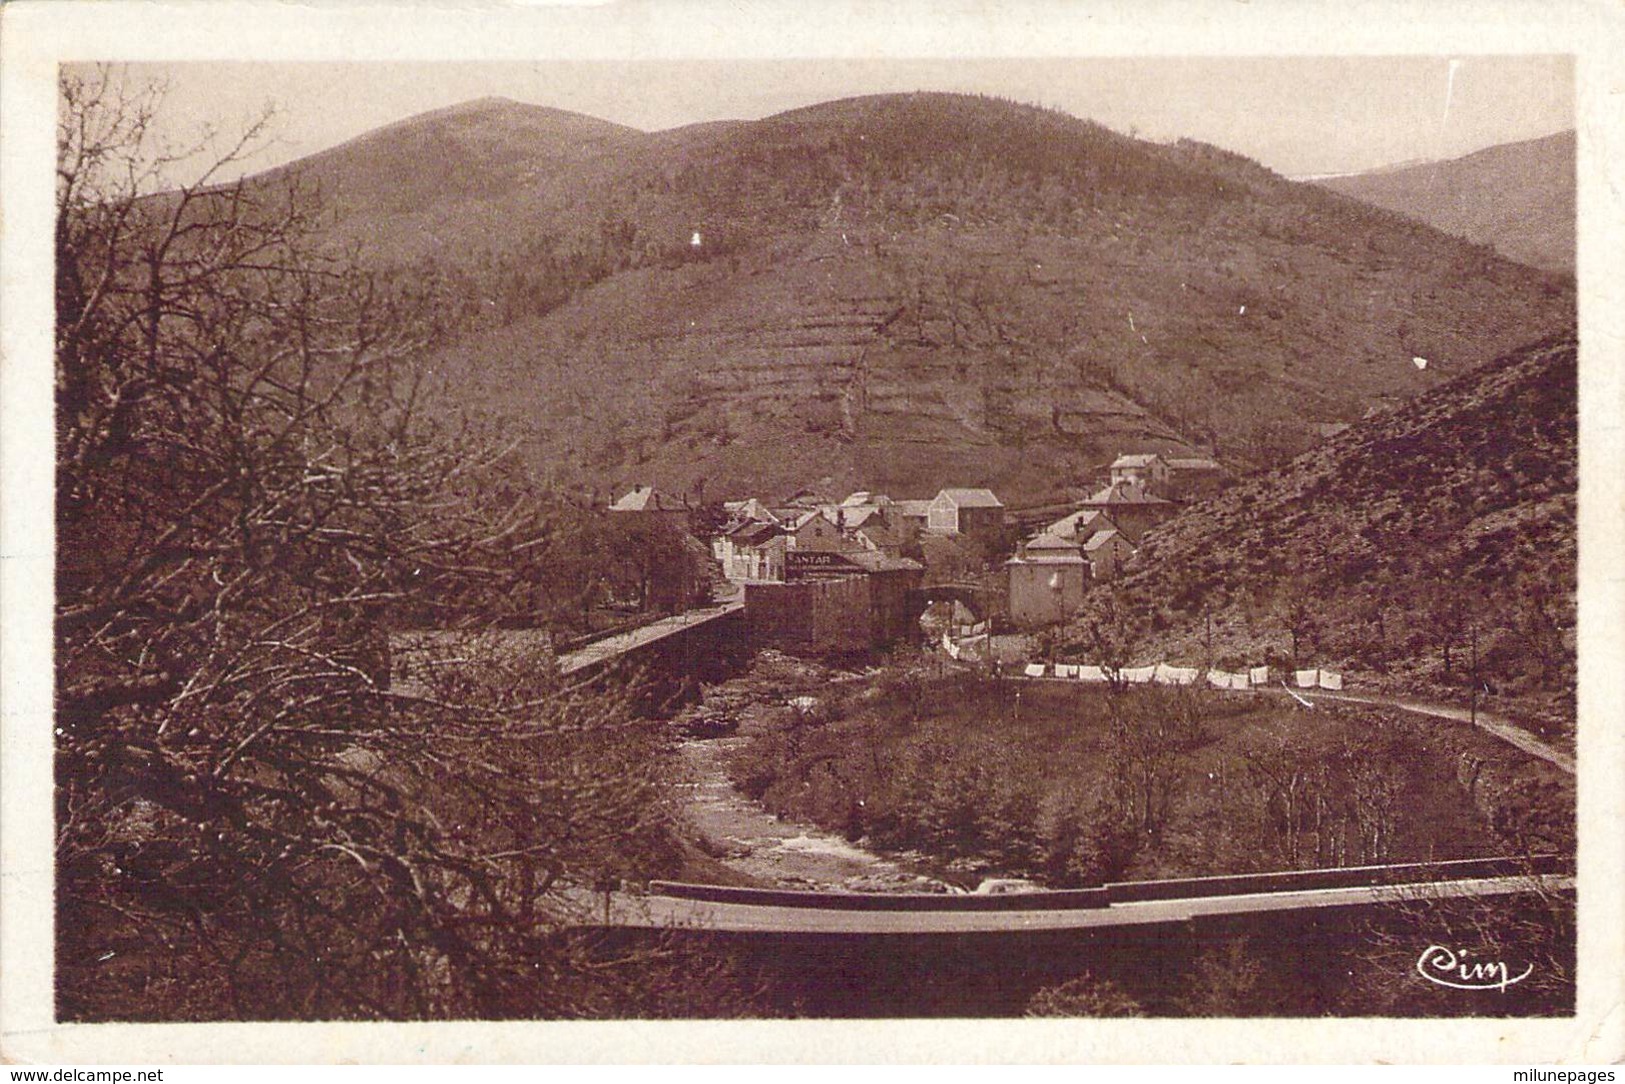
820, 574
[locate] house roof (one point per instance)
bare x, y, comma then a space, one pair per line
864, 497
754, 534
1140, 460
1124, 493
807, 517
881, 533
1073, 523
971, 498
750, 507
1047, 549
647, 499
1050, 543
855, 516
1192, 464
809, 497
1101, 539
916, 509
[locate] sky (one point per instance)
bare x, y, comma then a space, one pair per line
1297, 115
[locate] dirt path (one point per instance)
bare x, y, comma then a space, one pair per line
1490, 723
1498, 726
747, 838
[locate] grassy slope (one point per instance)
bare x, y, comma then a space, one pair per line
1518, 198
904, 291
1461, 502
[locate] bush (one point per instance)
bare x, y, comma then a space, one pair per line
1084, 995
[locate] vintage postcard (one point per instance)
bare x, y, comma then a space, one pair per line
807, 525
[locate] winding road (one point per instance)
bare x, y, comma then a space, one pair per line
1490, 723
1498, 726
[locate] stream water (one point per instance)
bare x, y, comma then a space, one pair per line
750, 840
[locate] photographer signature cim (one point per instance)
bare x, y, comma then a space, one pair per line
1448, 967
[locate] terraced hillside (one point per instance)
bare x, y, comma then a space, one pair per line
903, 291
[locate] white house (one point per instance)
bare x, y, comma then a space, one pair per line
965, 511
1149, 470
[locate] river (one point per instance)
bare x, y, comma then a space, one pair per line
752, 841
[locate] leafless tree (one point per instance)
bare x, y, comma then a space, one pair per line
1296, 611
253, 818
1532, 933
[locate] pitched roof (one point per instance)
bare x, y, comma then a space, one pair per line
915, 509
647, 499
862, 497
881, 533
754, 534
750, 507
1192, 464
807, 517
855, 516
1070, 524
1140, 460
1123, 493
809, 496
1047, 549
1101, 539
1051, 543
971, 498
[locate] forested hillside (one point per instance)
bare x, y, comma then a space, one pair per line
901, 291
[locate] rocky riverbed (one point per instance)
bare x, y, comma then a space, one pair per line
746, 838
739, 832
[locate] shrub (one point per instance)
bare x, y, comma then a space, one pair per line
1084, 995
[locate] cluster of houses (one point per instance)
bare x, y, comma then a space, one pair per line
1052, 569
869, 536
756, 541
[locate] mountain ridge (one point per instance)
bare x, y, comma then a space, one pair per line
1517, 197
909, 290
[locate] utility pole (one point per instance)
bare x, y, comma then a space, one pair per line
1472, 699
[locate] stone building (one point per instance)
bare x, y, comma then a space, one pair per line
836, 603
1048, 577
1149, 471
751, 551
1132, 508
966, 511
815, 531
1106, 553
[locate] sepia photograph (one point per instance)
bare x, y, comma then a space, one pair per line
780, 537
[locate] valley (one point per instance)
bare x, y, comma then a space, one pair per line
470, 528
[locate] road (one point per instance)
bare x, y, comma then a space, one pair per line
612, 647
665, 912
1495, 725
1498, 725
